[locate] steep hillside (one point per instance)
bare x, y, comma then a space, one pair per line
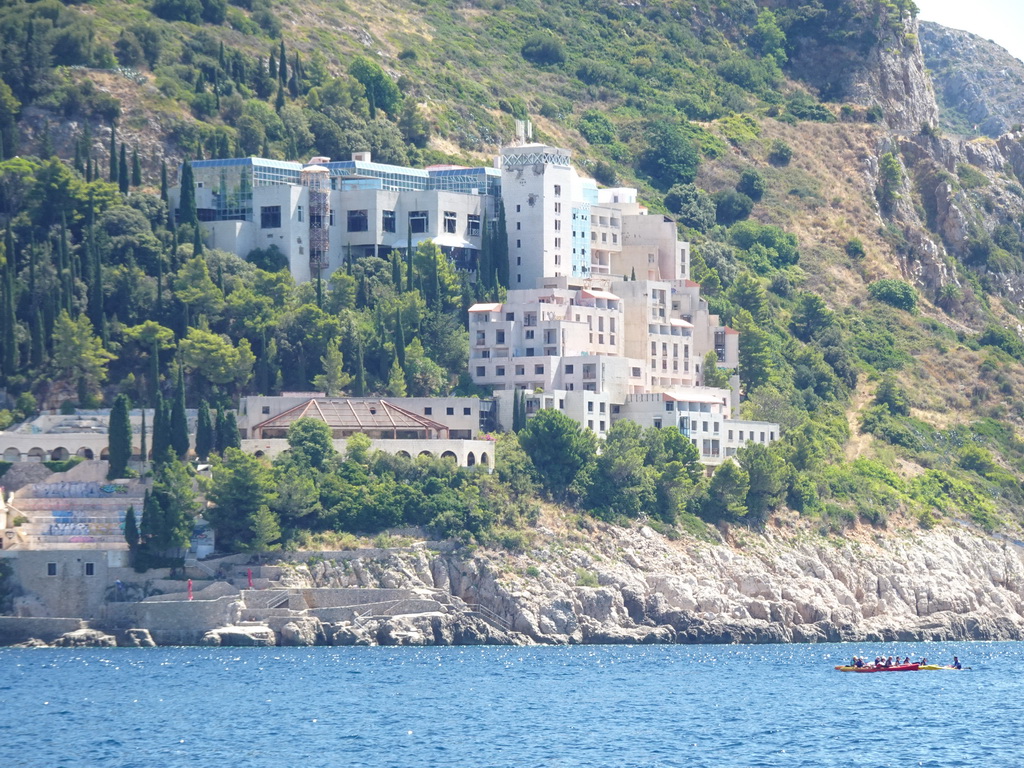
874, 265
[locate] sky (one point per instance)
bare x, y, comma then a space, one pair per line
999, 20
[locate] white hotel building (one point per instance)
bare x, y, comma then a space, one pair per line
601, 319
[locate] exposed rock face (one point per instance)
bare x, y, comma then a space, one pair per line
781, 587
85, 638
883, 66
136, 638
979, 84
245, 636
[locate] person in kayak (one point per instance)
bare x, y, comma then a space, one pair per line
956, 663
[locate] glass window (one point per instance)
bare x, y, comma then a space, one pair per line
480, 371
538, 369
449, 411
419, 222
473, 225
558, 190
388, 221
270, 217
499, 371
569, 369
358, 221
467, 411
428, 411
90, 569
298, 212
51, 569
449, 222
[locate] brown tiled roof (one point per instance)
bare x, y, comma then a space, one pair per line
355, 415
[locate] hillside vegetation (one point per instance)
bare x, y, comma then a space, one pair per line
873, 269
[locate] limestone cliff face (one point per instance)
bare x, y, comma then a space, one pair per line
856, 54
785, 586
979, 84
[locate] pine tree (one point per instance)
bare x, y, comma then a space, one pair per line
119, 443
396, 380
231, 438
179, 420
265, 530
204, 431
136, 168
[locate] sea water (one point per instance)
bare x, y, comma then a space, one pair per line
628, 706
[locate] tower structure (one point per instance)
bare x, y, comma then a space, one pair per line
317, 180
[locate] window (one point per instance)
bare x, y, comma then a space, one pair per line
449, 411
569, 369
331, 223
270, 217
298, 212
519, 225
388, 221
519, 208
529, 334
428, 411
316, 220
730, 434
419, 222
558, 243
90, 569
669, 406
51, 569
480, 371
449, 222
499, 337
590, 407
558, 207
499, 371
473, 225
657, 423
358, 221
558, 225
519, 243
467, 411
558, 190
519, 259
510, 316
520, 370
266, 410
539, 370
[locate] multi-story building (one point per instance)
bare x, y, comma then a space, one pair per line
601, 314
321, 213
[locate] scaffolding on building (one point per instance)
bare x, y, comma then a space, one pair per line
316, 179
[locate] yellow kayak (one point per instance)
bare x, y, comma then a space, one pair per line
936, 666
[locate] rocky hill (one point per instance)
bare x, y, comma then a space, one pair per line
980, 85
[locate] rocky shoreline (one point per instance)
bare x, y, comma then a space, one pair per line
606, 584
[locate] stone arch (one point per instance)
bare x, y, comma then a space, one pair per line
484, 459
403, 454
86, 453
105, 454
36, 455
60, 454
259, 454
12, 455
450, 455
428, 454
470, 459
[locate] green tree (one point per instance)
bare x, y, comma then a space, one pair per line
713, 375
179, 421
78, 354
623, 483
204, 431
767, 477
725, 497
562, 451
890, 181
240, 485
811, 316
168, 512
890, 393
119, 433
381, 91
131, 530
310, 441
264, 530
187, 213
334, 379
671, 156
756, 358
396, 386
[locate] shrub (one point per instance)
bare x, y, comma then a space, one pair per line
752, 184
596, 127
854, 248
780, 153
585, 578
543, 48
731, 206
896, 293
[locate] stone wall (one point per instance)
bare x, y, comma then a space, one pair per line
14, 629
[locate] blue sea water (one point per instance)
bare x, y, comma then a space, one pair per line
563, 707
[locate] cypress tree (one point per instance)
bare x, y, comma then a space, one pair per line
204, 432
396, 271
197, 241
399, 339
179, 420
131, 529
163, 180
408, 256
500, 249
142, 437
272, 65
120, 438
221, 430
187, 204
282, 72
231, 438
9, 349
360, 384
123, 172
136, 168
113, 154
161, 441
